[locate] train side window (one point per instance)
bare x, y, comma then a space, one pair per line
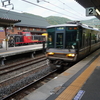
83, 40
97, 37
85, 37
93, 37
80, 37
35, 37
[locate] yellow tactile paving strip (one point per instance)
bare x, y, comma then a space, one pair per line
75, 86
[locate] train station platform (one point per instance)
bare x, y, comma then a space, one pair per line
11, 51
79, 82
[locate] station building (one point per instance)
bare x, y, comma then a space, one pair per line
29, 23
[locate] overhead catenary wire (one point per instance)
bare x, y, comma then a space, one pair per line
62, 8
69, 7
48, 9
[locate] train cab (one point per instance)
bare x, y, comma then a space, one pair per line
62, 43
27, 37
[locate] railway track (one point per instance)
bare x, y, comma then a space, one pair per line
19, 65
17, 95
17, 76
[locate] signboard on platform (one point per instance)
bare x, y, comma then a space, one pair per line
90, 11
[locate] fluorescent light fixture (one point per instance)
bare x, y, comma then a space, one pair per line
98, 11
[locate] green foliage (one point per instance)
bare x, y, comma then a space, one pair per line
54, 20
92, 22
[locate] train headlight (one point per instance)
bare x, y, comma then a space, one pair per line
70, 55
50, 53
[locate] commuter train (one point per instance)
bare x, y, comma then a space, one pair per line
70, 42
23, 38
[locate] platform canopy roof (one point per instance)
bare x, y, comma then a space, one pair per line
7, 22
90, 3
27, 20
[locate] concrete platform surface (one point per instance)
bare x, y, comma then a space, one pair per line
20, 49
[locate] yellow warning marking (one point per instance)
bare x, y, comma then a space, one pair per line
75, 86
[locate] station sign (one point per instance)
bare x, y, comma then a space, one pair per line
91, 11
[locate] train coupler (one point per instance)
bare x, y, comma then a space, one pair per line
58, 62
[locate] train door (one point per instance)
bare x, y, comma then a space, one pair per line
59, 43
89, 42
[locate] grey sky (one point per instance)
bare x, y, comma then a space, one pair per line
63, 8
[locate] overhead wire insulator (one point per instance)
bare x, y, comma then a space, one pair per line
38, 1
5, 5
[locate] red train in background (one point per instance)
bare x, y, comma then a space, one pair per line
24, 38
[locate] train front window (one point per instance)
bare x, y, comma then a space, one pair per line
59, 40
27, 34
71, 38
51, 36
